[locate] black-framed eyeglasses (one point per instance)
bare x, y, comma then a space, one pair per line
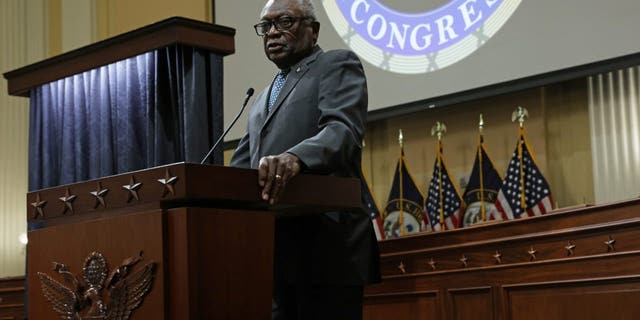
282, 23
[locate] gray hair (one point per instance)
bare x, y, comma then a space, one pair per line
308, 9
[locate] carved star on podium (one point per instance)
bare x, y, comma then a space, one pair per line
498, 257
38, 207
99, 194
611, 244
570, 246
133, 187
68, 199
168, 181
402, 268
532, 254
432, 264
464, 260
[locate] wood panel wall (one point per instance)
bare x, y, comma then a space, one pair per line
114, 17
12, 298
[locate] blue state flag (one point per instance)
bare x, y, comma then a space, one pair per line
482, 190
404, 212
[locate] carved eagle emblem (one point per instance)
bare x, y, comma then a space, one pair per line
84, 297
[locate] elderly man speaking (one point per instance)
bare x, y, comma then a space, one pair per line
310, 118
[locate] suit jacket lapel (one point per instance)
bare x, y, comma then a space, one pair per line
296, 73
261, 103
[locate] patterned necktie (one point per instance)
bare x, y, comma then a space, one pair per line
278, 83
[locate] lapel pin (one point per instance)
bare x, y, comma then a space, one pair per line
298, 70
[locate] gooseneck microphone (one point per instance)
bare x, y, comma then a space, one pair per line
244, 104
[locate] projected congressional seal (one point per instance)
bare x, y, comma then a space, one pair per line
412, 43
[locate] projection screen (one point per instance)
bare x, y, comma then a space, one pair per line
418, 50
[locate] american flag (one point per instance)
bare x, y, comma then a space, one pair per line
443, 197
524, 191
372, 208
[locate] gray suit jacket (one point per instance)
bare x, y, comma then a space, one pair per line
320, 117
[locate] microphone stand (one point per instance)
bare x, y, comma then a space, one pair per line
246, 99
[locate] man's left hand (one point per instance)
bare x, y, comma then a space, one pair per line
274, 172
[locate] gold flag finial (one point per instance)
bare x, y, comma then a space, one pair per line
520, 115
400, 138
439, 129
481, 123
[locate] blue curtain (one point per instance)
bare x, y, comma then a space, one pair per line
157, 108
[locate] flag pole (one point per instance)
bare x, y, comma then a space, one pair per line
439, 129
483, 209
400, 168
520, 115
440, 193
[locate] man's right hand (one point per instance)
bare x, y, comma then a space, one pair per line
274, 172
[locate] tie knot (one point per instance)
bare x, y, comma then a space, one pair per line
283, 73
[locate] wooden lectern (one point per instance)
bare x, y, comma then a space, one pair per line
205, 227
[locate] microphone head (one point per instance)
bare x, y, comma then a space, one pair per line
250, 92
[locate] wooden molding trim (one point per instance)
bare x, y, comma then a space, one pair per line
402, 294
626, 278
614, 225
515, 265
176, 30
468, 290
